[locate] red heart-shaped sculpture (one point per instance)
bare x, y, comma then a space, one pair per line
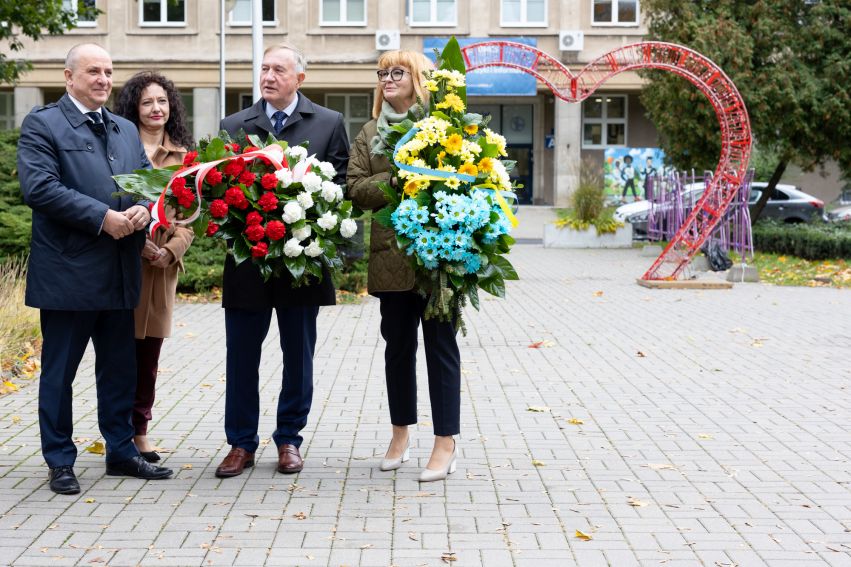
697, 69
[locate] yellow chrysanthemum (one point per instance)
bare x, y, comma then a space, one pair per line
486, 164
468, 169
453, 102
431, 85
453, 144
452, 182
471, 129
411, 188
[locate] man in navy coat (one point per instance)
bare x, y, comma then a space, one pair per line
84, 269
249, 301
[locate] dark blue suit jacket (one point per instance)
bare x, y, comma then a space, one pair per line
65, 172
243, 286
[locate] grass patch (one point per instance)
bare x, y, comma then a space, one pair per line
20, 333
779, 269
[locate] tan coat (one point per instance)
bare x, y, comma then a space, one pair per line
156, 302
389, 268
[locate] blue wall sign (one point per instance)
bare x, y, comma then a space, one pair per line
490, 81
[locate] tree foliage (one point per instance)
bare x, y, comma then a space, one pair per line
790, 60
33, 19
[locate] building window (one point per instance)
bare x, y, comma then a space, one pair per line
342, 13
240, 15
615, 12
246, 100
523, 13
75, 5
355, 108
188, 99
7, 110
162, 12
604, 121
432, 12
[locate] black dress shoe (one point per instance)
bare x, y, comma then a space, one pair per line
150, 456
139, 468
64, 481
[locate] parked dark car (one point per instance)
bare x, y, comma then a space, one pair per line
786, 204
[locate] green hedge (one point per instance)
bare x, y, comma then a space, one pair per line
15, 216
811, 241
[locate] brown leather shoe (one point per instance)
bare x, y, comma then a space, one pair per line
289, 459
237, 460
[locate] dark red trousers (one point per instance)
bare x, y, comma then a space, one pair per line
147, 361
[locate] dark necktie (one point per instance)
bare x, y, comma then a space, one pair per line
279, 116
96, 123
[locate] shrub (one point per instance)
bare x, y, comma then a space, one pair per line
19, 324
204, 263
15, 216
813, 241
588, 203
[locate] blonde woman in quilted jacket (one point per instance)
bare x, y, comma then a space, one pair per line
391, 279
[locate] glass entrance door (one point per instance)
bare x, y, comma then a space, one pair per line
514, 121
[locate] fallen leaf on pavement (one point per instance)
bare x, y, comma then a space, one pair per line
640, 354
449, 557
538, 409
538, 463
635, 502
300, 516
89, 500
598, 294
97, 448
583, 536
575, 421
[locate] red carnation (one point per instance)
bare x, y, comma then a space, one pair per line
234, 147
255, 232
185, 199
218, 209
214, 177
190, 157
259, 250
212, 229
247, 178
236, 198
178, 183
253, 218
268, 202
269, 181
250, 149
275, 230
234, 167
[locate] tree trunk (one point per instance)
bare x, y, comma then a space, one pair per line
766, 194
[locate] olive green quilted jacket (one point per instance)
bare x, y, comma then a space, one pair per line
389, 268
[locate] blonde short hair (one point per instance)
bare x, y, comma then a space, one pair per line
413, 61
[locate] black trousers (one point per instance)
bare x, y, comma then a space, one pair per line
66, 335
401, 314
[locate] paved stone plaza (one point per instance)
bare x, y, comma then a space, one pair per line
674, 428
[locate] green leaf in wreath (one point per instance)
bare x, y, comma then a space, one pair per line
329, 247
383, 217
504, 267
473, 294
423, 198
313, 268
241, 249
494, 285
214, 150
256, 142
276, 249
296, 266
390, 194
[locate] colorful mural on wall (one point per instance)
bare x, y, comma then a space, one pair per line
626, 171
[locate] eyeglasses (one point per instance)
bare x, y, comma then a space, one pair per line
394, 74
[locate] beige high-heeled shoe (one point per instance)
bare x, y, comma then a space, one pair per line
393, 464
430, 475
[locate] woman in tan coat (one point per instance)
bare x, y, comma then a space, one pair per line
151, 101
391, 279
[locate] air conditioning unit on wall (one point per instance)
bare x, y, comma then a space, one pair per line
385, 40
571, 40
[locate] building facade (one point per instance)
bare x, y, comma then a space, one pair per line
343, 39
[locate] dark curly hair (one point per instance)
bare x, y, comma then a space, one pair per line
128, 105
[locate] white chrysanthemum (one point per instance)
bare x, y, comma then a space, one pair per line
327, 169
297, 152
292, 212
348, 228
292, 248
313, 249
305, 199
302, 233
327, 221
330, 191
311, 182
285, 176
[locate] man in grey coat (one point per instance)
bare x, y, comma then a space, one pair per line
84, 269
